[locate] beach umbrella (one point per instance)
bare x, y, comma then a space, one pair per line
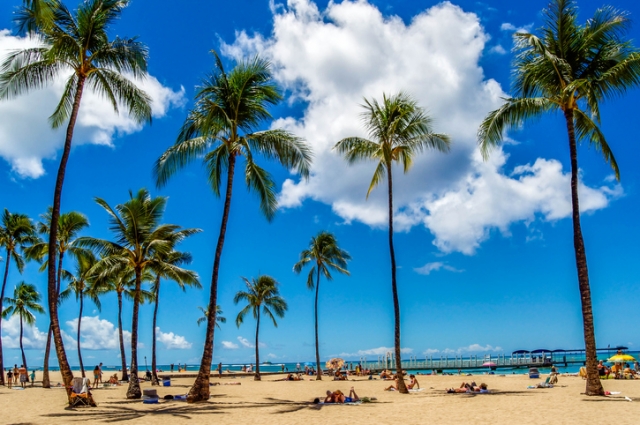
489, 364
335, 363
621, 358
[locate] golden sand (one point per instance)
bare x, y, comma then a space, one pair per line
270, 402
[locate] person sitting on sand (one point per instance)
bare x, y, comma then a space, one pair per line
617, 370
386, 374
338, 397
339, 376
393, 387
603, 370
413, 383
114, 379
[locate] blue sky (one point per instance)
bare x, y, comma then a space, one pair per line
484, 249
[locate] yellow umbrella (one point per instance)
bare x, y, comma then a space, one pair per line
621, 358
335, 363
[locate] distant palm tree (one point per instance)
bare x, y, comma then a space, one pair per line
400, 129
570, 68
69, 225
205, 316
78, 41
261, 293
189, 278
140, 243
24, 302
82, 284
16, 232
220, 130
325, 253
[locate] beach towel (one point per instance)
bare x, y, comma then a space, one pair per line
416, 390
351, 403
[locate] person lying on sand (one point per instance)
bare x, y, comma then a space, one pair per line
291, 377
338, 397
469, 388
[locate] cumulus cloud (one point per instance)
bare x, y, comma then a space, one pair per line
498, 49
380, 351
434, 267
228, 345
26, 138
96, 334
32, 337
172, 341
506, 26
247, 344
330, 59
473, 348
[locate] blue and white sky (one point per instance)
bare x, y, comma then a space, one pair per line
484, 249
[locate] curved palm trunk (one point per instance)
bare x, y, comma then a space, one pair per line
319, 369
594, 386
65, 370
46, 382
402, 388
256, 377
24, 358
200, 389
4, 285
125, 375
78, 336
154, 375
133, 392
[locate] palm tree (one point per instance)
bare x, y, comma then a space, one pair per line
69, 225
570, 68
16, 232
24, 302
400, 129
82, 283
189, 278
78, 41
261, 292
220, 129
326, 254
205, 316
140, 243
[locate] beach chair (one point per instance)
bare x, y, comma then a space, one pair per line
80, 394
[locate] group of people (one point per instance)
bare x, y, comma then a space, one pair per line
338, 396
618, 370
19, 374
412, 385
470, 387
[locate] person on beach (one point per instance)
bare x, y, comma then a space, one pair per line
33, 377
339, 376
338, 397
24, 376
603, 370
16, 374
96, 375
220, 370
413, 382
9, 378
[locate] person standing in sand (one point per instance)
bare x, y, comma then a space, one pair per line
100, 374
24, 376
220, 370
9, 378
16, 374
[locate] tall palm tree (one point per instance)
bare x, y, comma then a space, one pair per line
69, 225
24, 302
399, 129
570, 68
16, 232
205, 316
326, 254
190, 278
82, 283
261, 293
221, 129
78, 41
140, 243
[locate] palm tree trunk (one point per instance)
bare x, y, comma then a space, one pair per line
594, 386
65, 369
46, 381
319, 369
402, 388
256, 377
24, 358
133, 392
4, 285
154, 375
78, 336
125, 375
200, 389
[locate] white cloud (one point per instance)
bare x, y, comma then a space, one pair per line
26, 137
473, 348
245, 342
228, 345
498, 49
32, 337
433, 267
96, 334
380, 351
330, 59
506, 26
172, 341
272, 356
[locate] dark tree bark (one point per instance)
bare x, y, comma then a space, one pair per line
46, 381
200, 389
594, 386
24, 358
154, 375
402, 388
4, 285
123, 354
65, 369
78, 336
319, 371
257, 377
134, 392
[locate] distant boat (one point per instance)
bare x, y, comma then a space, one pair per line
267, 363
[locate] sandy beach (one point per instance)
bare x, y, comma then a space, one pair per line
278, 402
